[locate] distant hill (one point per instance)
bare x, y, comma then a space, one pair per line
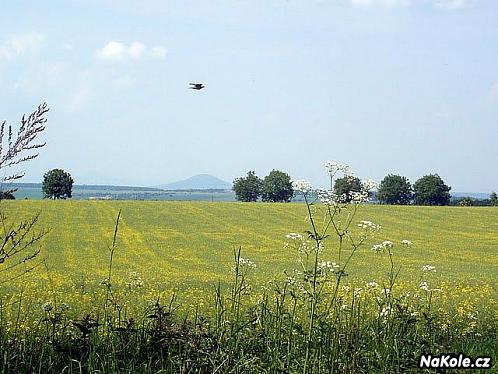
198, 182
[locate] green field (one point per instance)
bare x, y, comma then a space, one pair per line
187, 248
185, 244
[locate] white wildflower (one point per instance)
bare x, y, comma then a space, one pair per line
369, 185
358, 292
333, 167
380, 247
302, 186
327, 197
358, 197
386, 311
471, 315
293, 236
369, 225
406, 243
305, 247
246, 262
105, 282
327, 266
372, 284
424, 286
428, 268
377, 248
291, 281
136, 280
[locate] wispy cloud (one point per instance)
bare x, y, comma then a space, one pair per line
117, 51
19, 45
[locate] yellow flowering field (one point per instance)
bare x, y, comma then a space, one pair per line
188, 247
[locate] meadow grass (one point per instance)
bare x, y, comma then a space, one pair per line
185, 244
187, 248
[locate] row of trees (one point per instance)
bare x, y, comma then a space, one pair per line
397, 190
275, 187
428, 190
393, 189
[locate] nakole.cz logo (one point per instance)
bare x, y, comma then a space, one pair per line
453, 361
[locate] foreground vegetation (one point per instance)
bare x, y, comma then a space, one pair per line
176, 298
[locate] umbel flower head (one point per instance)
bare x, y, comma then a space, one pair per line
428, 268
334, 167
302, 186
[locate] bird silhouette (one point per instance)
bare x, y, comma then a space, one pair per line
196, 86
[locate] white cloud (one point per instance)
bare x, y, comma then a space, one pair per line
136, 50
20, 45
117, 51
449, 4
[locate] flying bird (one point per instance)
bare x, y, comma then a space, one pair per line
196, 86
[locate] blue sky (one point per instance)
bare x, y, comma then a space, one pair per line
387, 86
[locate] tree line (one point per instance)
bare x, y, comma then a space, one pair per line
392, 190
275, 187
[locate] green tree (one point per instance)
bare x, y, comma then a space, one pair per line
57, 184
248, 188
493, 199
395, 189
344, 186
277, 187
431, 190
7, 195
